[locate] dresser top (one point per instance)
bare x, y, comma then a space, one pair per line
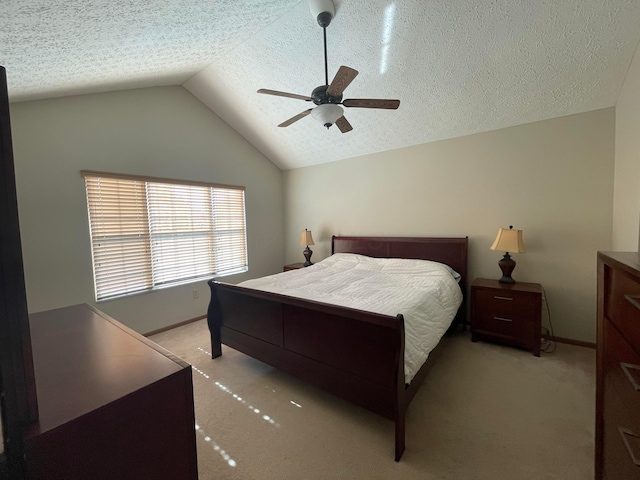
628, 261
84, 359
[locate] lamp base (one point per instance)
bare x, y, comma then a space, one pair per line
507, 264
307, 255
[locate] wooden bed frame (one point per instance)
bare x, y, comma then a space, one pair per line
356, 355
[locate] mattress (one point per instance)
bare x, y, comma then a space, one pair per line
426, 293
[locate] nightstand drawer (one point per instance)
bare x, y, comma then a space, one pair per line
506, 303
512, 326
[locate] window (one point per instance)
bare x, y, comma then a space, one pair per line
149, 233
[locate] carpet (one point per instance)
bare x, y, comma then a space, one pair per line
484, 412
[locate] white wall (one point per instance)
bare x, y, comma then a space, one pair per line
553, 179
162, 132
626, 204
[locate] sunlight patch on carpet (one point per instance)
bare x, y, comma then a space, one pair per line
237, 397
216, 448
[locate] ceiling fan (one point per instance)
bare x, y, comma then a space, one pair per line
328, 97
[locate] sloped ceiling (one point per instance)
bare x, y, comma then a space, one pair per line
458, 67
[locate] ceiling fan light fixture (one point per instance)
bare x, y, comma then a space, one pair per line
327, 114
323, 11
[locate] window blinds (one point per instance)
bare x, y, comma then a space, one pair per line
149, 233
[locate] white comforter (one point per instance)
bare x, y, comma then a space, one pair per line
425, 293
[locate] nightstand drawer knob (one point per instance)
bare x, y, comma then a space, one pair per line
626, 436
632, 372
502, 298
503, 319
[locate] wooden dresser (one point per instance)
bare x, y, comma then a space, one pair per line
618, 367
113, 404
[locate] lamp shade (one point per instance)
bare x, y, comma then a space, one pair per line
327, 114
306, 238
509, 240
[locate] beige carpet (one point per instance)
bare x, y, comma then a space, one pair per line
484, 412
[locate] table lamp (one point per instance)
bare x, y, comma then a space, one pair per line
307, 239
508, 240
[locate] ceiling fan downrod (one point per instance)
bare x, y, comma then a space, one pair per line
323, 11
326, 67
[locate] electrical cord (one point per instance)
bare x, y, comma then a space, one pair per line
548, 345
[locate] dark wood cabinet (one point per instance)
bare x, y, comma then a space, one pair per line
618, 367
507, 313
113, 404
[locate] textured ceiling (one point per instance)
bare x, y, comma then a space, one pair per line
66, 47
458, 67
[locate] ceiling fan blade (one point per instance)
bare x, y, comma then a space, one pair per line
286, 123
341, 81
343, 125
285, 94
371, 103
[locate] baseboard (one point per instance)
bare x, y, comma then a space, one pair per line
175, 325
570, 341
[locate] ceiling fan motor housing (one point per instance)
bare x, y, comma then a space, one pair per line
320, 96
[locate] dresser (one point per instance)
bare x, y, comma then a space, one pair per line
618, 367
112, 404
507, 313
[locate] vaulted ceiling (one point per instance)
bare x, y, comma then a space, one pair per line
457, 67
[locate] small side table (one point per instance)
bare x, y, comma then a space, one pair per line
293, 266
507, 313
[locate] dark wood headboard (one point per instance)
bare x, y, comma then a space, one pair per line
450, 251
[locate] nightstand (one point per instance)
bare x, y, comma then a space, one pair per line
507, 313
293, 266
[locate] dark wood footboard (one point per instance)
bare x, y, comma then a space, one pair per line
353, 354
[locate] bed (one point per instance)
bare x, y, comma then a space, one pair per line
355, 354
